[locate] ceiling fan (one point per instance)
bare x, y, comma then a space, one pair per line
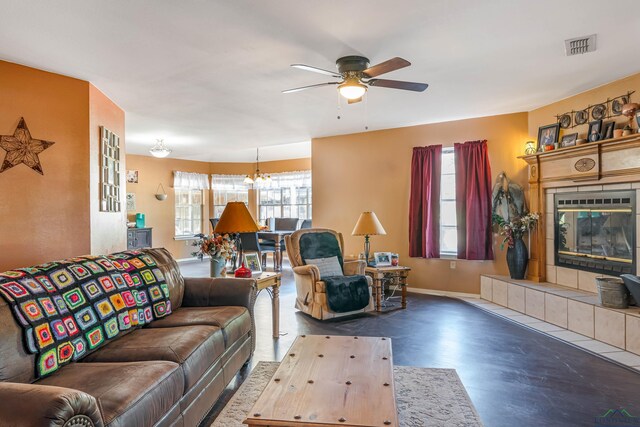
356, 76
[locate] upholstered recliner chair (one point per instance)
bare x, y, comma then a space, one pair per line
308, 247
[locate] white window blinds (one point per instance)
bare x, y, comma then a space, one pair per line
190, 181
228, 182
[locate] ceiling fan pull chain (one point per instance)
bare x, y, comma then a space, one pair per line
339, 104
366, 112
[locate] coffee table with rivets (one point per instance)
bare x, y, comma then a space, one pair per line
330, 380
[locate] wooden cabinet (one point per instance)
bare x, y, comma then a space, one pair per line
138, 238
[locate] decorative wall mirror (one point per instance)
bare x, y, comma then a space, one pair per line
109, 171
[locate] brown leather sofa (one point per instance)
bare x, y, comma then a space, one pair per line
169, 373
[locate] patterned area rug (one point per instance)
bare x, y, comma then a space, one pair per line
425, 397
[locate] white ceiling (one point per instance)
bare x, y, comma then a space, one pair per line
207, 75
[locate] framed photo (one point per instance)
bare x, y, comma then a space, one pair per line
607, 130
131, 202
132, 177
548, 135
569, 140
638, 118
382, 259
252, 262
594, 131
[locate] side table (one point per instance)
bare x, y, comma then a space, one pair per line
271, 282
381, 275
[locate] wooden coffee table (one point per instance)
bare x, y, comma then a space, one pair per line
330, 380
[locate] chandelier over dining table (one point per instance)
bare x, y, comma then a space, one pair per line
259, 179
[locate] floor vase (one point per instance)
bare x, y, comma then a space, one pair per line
517, 257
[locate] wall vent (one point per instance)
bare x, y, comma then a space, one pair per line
580, 45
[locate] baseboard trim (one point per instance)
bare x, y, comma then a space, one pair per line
442, 293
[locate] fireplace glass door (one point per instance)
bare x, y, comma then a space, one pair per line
596, 234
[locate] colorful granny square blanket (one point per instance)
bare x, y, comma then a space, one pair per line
69, 308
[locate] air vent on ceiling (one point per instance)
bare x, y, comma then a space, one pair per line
580, 45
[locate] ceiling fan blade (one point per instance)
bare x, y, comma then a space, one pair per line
396, 84
298, 89
354, 101
317, 70
386, 67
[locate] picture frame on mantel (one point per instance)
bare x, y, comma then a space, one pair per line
548, 136
569, 140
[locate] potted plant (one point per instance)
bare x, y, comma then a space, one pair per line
219, 247
513, 230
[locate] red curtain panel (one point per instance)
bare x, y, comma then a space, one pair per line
473, 200
424, 204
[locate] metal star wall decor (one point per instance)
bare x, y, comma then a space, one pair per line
22, 148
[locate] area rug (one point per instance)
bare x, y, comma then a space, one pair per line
425, 397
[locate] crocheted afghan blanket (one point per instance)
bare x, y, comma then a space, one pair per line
70, 308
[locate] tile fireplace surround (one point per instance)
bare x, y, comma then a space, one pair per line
561, 301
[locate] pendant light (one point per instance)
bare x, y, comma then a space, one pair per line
160, 150
259, 179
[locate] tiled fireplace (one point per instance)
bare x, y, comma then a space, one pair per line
599, 187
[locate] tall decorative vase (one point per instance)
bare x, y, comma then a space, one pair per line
217, 266
517, 257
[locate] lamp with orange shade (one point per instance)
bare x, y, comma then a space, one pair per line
236, 219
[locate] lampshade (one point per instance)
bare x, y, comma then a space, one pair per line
368, 225
235, 219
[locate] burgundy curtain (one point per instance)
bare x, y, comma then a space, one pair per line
424, 205
473, 200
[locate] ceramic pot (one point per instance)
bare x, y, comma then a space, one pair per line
217, 266
517, 257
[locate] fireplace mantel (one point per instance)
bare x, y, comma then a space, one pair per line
603, 162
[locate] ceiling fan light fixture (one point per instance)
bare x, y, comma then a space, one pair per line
352, 89
160, 150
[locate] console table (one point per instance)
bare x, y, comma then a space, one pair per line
381, 275
138, 238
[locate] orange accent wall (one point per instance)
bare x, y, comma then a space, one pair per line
161, 214
108, 229
55, 216
371, 171
43, 218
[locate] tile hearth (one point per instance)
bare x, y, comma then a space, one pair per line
565, 313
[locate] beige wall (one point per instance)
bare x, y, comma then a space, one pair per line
371, 171
547, 115
43, 218
161, 214
108, 229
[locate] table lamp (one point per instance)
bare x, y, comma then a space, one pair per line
236, 219
368, 225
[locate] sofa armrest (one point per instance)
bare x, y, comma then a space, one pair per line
43, 405
355, 267
308, 270
210, 292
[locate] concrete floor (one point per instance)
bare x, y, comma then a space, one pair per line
515, 376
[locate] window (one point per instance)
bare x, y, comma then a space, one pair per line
448, 230
189, 202
188, 212
228, 188
288, 196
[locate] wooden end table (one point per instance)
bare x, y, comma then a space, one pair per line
330, 381
271, 282
381, 275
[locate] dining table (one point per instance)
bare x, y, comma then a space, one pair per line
277, 237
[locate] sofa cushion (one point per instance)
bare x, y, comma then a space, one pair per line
234, 321
194, 348
128, 394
